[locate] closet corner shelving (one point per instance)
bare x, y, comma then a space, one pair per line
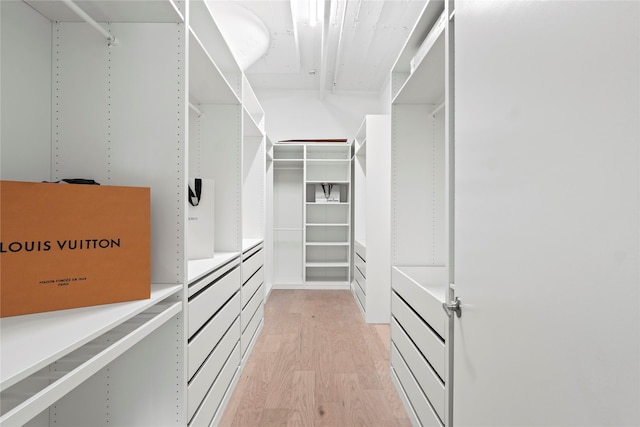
312, 233
371, 283
421, 221
81, 106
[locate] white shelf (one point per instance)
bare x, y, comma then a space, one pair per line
207, 84
432, 279
328, 224
198, 268
324, 161
248, 244
328, 203
327, 264
112, 11
401, 70
31, 342
426, 84
250, 126
87, 362
327, 181
327, 243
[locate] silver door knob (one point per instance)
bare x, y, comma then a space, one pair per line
453, 307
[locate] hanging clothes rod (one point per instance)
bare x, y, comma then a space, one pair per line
113, 41
195, 109
437, 109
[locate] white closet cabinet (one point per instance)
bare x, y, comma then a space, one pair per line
226, 293
420, 214
75, 104
372, 223
312, 215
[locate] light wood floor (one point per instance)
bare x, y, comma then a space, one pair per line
316, 363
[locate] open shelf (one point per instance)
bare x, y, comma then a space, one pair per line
50, 336
401, 70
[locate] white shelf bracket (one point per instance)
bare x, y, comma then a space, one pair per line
437, 109
195, 109
111, 39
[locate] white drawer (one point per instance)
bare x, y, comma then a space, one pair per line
205, 414
419, 403
202, 381
361, 250
429, 343
251, 307
360, 297
249, 288
361, 266
253, 325
361, 281
251, 264
204, 305
203, 342
405, 282
429, 382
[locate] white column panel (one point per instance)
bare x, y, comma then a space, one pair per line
147, 132
25, 149
220, 151
547, 223
253, 187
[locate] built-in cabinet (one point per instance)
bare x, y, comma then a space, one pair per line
371, 282
311, 215
153, 100
420, 216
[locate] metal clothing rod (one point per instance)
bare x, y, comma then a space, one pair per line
113, 41
437, 109
196, 109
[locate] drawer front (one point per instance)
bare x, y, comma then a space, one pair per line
430, 308
361, 265
251, 307
426, 377
361, 281
361, 250
419, 403
253, 325
202, 381
205, 414
202, 344
362, 299
252, 264
249, 288
205, 304
427, 341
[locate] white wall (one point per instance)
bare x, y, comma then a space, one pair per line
302, 114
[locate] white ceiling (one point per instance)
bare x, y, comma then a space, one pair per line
363, 40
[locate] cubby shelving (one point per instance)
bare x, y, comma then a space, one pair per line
92, 107
312, 222
421, 153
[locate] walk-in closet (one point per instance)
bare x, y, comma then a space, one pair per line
381, 213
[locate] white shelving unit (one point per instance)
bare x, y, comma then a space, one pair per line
76, 105
311, 237
371, 283
421, 220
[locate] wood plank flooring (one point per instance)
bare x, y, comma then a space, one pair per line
316, 363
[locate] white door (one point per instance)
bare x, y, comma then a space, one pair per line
547, 213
